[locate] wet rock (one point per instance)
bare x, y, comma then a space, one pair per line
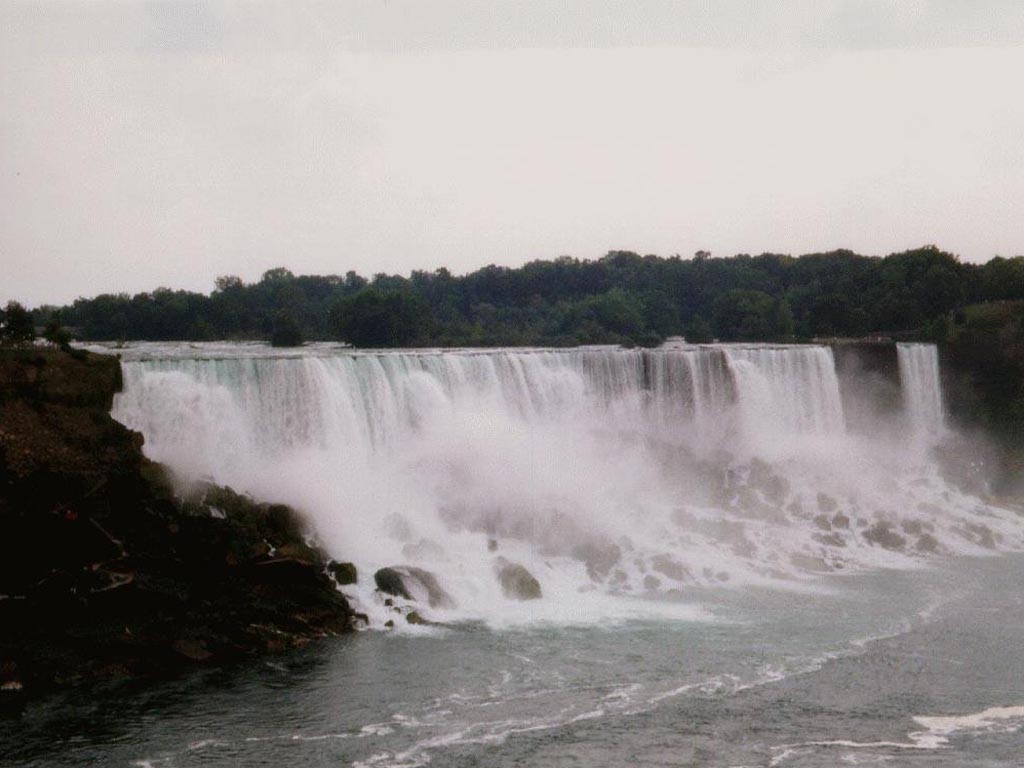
298, 550
666, 566
826, 503
980, 534
913, 527
192, 649
343, 573
389, 624
116, 574
598, 556
410, 583
823, 522
927, 543
516, 582
651, 582
436, 596
830, 539
839, 520
882, 535
390, 582
492, 545
414, 618
287, 571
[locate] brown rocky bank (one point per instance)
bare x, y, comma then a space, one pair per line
105, 571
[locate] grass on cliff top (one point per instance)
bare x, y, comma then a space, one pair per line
45, 374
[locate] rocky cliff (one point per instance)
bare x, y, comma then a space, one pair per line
106, 571
984, 353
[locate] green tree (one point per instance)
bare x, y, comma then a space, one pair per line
698, 331
742, 315
286, 331
16, 325
55, 332
785, 326
372, 318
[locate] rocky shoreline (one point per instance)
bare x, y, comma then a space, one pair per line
107, 572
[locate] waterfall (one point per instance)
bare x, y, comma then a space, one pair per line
791, 388
606, 472
922, 389
207, 410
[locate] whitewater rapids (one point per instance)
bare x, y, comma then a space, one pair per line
616, 477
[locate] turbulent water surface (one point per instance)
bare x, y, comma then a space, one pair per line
744, 559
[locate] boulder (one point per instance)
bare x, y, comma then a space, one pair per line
343, 573
516, 582
194, 650
298, 550
411, 583
390, 582
599, 556
880, 533
666, 566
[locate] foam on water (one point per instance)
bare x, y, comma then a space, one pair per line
936, 734
608, 473
939, 728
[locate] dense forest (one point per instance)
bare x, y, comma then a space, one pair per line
620, 298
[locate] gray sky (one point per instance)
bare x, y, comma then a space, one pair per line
149, 144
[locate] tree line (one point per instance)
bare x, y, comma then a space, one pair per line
622, 297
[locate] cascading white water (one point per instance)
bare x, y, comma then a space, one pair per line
217, 412
604, 471
790, 390
922, 389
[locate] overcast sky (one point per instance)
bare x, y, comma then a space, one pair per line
163, 144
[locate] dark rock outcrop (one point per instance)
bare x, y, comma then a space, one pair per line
598, 555
516, 582
344, 573
415, 584
106, 571
883, 535
390, 582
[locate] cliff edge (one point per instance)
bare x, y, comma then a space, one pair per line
105, 571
